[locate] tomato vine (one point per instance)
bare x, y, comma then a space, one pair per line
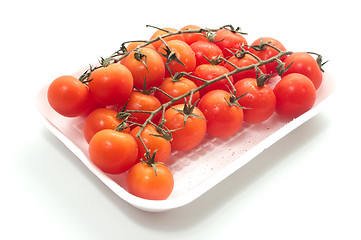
118, 55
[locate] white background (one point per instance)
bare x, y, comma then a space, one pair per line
306, 186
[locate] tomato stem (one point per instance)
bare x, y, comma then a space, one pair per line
214, 60
210, 34
281, 67
187, 110
319, 60
261, 77
141, 57
123, 52
209, 82
234, 30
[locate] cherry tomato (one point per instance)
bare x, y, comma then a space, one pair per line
183, 52
189, 126
111, 85
145, 65
146, 182
205, 50
100, 119
160, 32
295, 95
244, 61
153, 141
113, 152
209, 72
68, 96
227, 39
142, 102
224, 117
190, 38
267, 52
176, 88
305, 64
259, 101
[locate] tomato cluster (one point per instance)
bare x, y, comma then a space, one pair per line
167, 93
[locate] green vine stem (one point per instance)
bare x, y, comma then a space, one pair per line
122, 53
205, 84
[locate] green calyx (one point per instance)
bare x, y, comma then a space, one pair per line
187, 110
150, 160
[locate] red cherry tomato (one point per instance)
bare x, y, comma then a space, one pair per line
176, 88
227, 39
209, 72
183, 52
68, 96
111, 85
267, 52
190, 38
223, 117
205, 50
153, 182
100, 119
305, 64
113, 152
139, 101
189, 126
145, 65
295, 95
259, 102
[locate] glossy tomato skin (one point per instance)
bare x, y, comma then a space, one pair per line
241, 62
160, 32
268, 52
226, 39
259, 102
152, 71
144, 183
175, 89
153, 143
111, 85
209, 72
113, 152
142, 102
305, 64
190, 38
295, 95
189, 135
183, 52
223, 120
204, 50
68, 96
100, 119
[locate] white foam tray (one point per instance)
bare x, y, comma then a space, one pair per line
195, 171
